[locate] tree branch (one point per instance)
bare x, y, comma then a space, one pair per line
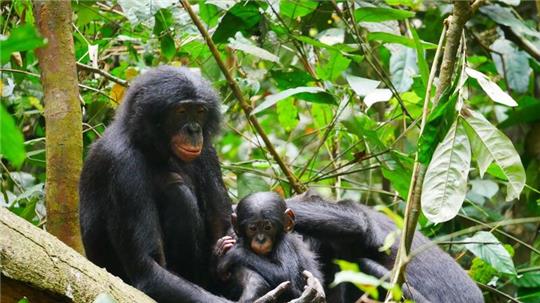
246, 107
461, 14
39, 260
103, 73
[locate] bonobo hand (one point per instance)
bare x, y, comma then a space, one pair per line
223, 245
313, 291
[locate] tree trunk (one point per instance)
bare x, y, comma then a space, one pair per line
63, 120
37, 265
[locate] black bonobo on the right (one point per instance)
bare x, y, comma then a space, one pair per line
266, 253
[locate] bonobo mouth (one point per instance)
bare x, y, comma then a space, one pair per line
261, 249
187, 152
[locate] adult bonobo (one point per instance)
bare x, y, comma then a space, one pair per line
354, 232
153, 202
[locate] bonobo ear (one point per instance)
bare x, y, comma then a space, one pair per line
234, 220
289, 220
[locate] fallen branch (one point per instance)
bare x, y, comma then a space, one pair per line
39, 260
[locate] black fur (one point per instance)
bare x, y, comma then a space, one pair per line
254, 275
354, 232
147, 216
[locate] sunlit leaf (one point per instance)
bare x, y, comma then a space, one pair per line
490, 145
245, 45
334, 67
378, 14
491, 88
22, 38
295, 8
242, 17
377, 95
273, 99
104, 298
488, 248
209, 13
143, 11
445, 182
362, 86
391, 38
504, 16
287, 114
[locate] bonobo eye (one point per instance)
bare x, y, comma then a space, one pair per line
201, 110
180, 109
252, 227
267, 227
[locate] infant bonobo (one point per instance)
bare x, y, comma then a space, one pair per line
267, 253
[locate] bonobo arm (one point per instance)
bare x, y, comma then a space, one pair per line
375, 269
239, 256
136, 238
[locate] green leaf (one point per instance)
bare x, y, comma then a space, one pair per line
335, 66
391, 38
516, 67
421, 55
287, 114
504, 16
22, 38
168, 48
142, 11
491, 88
242, 17
445, 182
290, 79
403, 68
273, 99
398, 169
209, 13
378, 14
489, 249
438, 123
294, 8
245, 45
250, 183
11, 139
490, 145
529, 279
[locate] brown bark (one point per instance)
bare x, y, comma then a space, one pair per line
63, 120
37, 265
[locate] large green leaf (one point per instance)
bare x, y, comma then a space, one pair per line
403, 68
334, 67
294, 8
245, 45
273, 99
514, 64
22, 38
11, 139
391, 38
490, 145
378, 14
242, 17
491, 88
488, 248
209, 13
445, 182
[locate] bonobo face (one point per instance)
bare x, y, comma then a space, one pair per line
261, 220
184, 124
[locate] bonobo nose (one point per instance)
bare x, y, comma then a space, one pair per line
260, 238
194, 127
